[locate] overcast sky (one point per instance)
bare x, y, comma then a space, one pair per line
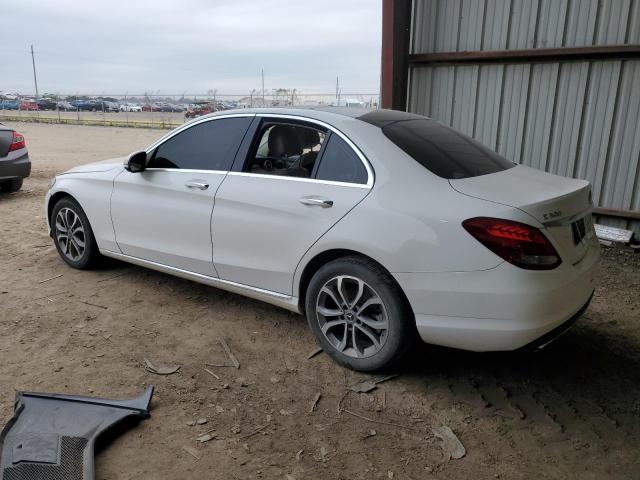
137, 46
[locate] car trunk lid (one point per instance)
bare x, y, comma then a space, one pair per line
562, 205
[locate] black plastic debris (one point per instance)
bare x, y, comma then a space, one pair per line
52, 437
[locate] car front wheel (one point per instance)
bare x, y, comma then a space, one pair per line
72, 234
359, 315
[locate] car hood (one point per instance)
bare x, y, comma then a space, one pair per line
102, 166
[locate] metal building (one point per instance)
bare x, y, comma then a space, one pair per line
553, 84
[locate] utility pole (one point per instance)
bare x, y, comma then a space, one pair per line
262, 74
337, 86
35, 79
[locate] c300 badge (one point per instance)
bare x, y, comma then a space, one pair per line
552, 215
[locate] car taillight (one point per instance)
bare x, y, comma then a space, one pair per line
17, 142
518, 243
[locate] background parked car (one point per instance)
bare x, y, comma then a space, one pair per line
111, 106
199, 108
167, 107
9, 104
28, 105
65, 106
150, 107
46, 104
14, 160
100, 105
130, 107
83, 105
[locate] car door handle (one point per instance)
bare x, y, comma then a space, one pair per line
317, 201
198, 185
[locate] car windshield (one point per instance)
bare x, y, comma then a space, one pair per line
441, 149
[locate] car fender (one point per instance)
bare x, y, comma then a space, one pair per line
93, 192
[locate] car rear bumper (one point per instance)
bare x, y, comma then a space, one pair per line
551, 336
501, 309
15, 165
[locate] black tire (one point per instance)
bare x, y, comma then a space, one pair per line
10, 186
400, 333
90, 255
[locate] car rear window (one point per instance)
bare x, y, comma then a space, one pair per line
441, 149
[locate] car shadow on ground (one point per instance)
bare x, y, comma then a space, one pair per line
587, 370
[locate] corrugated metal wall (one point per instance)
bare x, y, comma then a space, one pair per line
579, 119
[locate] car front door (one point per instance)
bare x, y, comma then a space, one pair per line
271, 211
163, 214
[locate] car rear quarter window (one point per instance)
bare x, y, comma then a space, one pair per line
441, 149
210, 145
339, 163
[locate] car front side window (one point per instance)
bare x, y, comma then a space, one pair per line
210, 145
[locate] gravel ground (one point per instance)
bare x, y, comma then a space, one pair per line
571, 411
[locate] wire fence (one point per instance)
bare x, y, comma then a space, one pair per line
164, 111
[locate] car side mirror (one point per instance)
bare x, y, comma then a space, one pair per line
137, 162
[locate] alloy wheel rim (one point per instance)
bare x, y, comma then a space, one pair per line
352, 316
70, 234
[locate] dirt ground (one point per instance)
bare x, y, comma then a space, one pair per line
571, 411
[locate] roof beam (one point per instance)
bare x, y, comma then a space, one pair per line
530, 55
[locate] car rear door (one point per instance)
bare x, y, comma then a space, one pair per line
163, 214
267, 216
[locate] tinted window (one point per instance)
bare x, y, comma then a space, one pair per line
340, 163
286, 149
444, 151
206, 146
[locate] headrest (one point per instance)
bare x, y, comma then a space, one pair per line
284, 142
309, 137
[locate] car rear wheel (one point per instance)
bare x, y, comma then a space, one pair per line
11, 185
359, 315
72, 235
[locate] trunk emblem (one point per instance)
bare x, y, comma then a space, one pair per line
552, 215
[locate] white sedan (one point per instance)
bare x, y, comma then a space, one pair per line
130, 107
379, 226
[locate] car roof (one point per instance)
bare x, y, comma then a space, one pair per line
376, 117
318, 113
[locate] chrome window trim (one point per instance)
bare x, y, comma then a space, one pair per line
185, 170
298, 179
363, 159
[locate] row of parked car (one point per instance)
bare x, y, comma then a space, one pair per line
97, 105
